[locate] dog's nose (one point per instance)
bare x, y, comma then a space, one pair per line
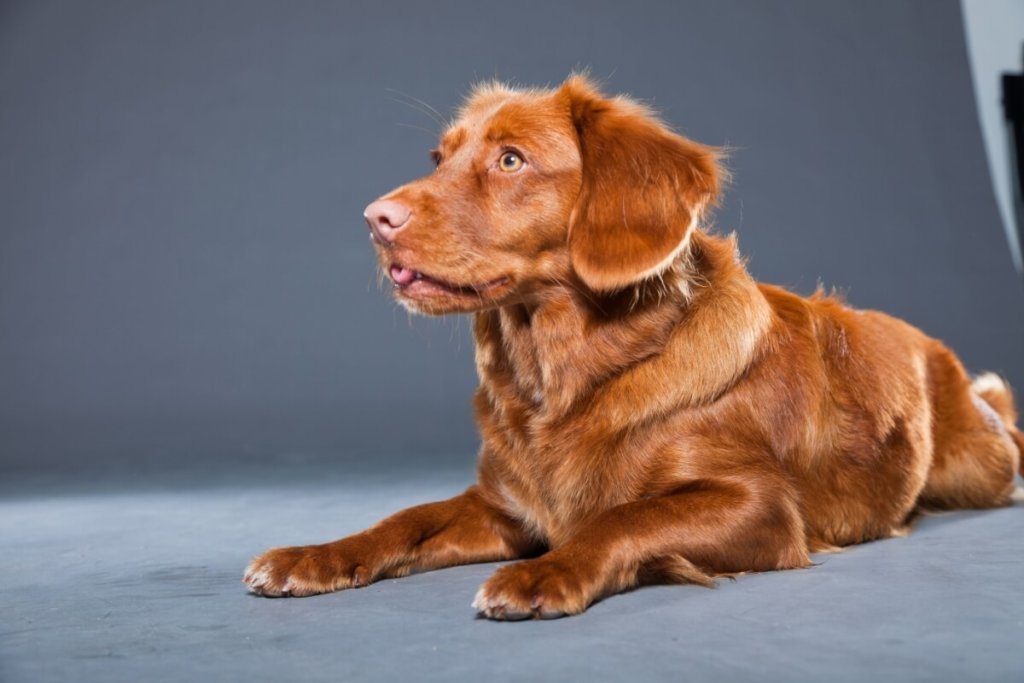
385, 218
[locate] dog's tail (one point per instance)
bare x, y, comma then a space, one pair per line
994, 390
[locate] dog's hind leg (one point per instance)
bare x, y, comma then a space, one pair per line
977, 445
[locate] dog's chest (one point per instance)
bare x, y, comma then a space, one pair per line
554, 475
556, 465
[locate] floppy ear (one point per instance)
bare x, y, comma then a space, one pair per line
644, 187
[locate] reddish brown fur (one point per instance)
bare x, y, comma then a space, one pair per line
648, 411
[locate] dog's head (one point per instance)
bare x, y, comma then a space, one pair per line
542, 188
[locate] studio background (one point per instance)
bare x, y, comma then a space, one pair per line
196, 362
185, 273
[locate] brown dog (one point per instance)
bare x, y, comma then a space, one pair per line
649, 413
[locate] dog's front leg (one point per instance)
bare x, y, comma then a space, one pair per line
705, 527
461, 530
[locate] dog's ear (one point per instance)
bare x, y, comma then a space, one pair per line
644, 188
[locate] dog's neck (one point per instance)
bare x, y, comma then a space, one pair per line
691, 333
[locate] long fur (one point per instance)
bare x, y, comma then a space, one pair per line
648, 412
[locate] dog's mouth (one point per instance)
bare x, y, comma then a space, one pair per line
413, 283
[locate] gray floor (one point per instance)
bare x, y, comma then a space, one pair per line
133, 582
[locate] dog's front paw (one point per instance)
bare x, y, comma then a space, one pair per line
534, 589
306, 570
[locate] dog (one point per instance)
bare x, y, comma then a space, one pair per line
649, 413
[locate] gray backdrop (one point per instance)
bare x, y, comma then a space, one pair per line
185, 273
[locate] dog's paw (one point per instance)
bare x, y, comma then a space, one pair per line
533, 589
304, 570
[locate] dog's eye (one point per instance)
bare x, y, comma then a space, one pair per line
510, 162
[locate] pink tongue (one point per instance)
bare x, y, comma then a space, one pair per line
402, 276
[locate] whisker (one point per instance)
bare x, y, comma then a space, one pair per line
418, 109
440, 117
422, 107
425, 130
